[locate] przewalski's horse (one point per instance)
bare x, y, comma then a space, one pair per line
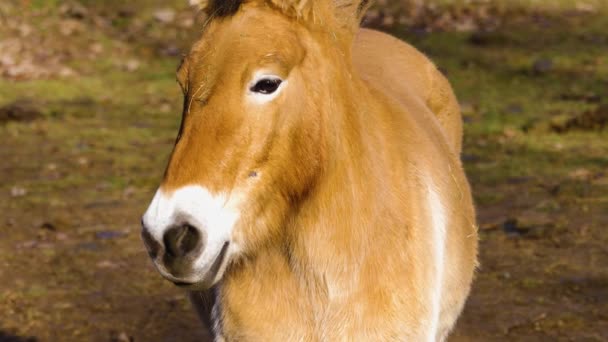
315, 191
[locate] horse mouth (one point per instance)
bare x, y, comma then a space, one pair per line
182, 284
210, 276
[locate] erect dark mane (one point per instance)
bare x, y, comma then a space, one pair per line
297, 8
224, 8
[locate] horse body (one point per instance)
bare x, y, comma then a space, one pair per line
356, 222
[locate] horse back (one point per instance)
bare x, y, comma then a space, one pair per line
403, 73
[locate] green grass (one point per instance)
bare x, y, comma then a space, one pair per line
495, 81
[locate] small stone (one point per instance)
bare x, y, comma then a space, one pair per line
70, 27
585, 7
17, 191
61, 236
581, 174
120, 337
509, 133
165, 108
73, 10
82, 161
66, 72
96, 48
519, 180
126, 12
171, 51
186, 23
46, 246
36, 291
48, 226
388, 21
63, 306
102, 186
25, 30
512, 229
27, 244
107, 264
542, 66
165, 15
108, 235
467, 25
469, 158
88, 246
372, 15
129, 192
467, 108
404, 20
514, 108
132, 65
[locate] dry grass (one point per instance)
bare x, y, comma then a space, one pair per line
545, 5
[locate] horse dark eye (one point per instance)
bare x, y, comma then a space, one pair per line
266, 86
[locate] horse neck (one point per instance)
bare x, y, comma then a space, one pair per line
333, 225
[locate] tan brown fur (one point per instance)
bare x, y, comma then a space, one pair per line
337, 235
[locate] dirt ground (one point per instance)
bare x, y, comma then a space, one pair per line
82, 151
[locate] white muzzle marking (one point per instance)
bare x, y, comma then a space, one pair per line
213, 214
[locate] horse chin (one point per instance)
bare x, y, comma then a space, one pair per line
199, 286
202, 278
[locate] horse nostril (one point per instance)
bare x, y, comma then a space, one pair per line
151, 244
181, 240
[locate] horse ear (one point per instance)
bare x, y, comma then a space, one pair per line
351, 12
346, 13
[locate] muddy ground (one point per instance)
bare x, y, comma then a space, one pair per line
83, 149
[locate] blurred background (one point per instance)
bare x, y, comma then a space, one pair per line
89, 109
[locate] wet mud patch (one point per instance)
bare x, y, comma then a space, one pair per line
22, 110
592, 120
